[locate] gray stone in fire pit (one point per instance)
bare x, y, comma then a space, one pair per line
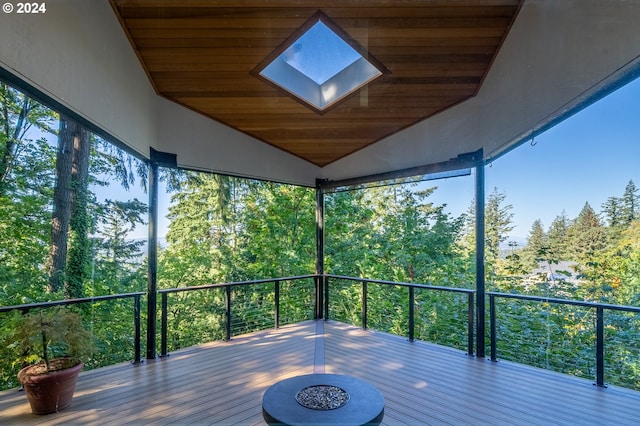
365, 404
322, 397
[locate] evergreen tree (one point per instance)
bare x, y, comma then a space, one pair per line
557, 237
199, 237
351, 245
537, 242
277, 230
392, 232
498, 224
69, 249
587, 235
613, 212
626, 280
514, 268
115, 255
630, 208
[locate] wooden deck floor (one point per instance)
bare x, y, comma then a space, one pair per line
223, 383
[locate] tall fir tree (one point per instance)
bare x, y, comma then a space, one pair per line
199, 236
630, 210
498, 220
612, 210
587, 235
498, 223
557, 237
69, 248
537, 242
116, 254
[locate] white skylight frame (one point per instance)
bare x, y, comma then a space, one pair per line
292, 68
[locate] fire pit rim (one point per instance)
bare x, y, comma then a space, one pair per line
365, 407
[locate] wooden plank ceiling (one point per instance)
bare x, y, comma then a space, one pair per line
201, 54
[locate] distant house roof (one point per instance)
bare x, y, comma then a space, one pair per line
563, 270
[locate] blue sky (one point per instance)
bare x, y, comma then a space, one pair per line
320, 53
587, 158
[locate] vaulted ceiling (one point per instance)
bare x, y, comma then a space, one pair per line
202, 54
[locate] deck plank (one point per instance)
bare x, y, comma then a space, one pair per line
423, 384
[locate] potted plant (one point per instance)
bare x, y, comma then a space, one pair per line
56, 341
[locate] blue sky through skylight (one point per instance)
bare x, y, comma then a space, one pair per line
320, 54
320, 68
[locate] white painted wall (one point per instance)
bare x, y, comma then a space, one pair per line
208, 145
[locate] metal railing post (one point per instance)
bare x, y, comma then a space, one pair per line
276, 289
412, 321
492, 325
326, 297
364, 305
600, 346
228, 313
152, 259
470, 328
136, 325
163, 326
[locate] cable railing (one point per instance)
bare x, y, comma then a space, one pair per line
410, 302
599, 309
26, 308
257, 305
246, 306
240, 307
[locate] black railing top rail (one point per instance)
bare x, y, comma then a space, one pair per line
403, 284
136, 311
27, 307
236, 283
564, 301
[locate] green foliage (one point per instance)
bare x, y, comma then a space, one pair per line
278, 231
558, 238
537, 242
296, 301
497, 224
27, 182
630, 209
606, 264
26, 187
392, 233
80, 250
45, 335
554, 337
116, 258
227, 230
196, 317
587, 235
200, 235
440, 317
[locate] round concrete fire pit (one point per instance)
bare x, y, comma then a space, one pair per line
323, 399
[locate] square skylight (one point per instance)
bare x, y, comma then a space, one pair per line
319, 67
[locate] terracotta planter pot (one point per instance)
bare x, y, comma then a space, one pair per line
51, 392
